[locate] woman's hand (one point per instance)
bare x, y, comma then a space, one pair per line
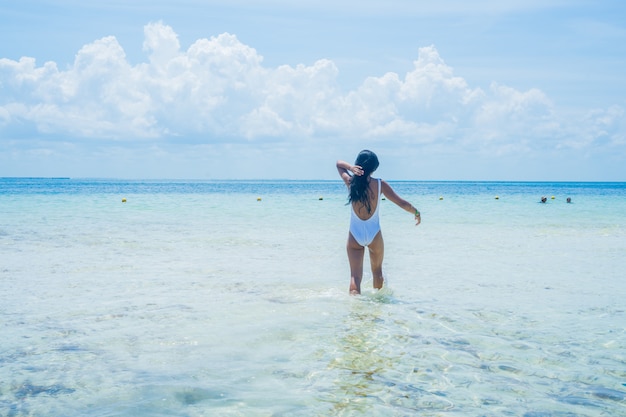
356, 170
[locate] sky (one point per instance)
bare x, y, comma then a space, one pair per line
517, 90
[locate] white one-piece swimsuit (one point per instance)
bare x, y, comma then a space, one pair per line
364, 231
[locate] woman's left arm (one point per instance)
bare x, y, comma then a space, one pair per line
400, 202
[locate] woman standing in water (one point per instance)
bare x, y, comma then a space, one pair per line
364, 198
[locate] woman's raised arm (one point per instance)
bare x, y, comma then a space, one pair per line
345, 168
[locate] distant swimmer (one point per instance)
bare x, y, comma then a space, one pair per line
544, 199
569, 200
364, 198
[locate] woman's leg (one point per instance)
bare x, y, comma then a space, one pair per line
377, 253
355, 257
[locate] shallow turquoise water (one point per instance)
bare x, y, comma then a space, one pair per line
195, 299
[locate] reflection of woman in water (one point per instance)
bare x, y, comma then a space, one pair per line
364, 198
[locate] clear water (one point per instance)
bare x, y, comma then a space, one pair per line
195, 299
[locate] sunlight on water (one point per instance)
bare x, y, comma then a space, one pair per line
196, 299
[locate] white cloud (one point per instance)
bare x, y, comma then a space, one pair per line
219, 91
601, 128
509, 117
161, 42
96, 97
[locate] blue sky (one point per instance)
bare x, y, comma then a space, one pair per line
447, 90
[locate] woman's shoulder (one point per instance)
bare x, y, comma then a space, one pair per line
384, 185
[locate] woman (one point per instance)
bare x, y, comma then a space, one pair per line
365, 231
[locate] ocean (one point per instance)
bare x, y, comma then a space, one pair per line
230, 298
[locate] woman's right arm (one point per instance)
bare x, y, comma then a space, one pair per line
344, 168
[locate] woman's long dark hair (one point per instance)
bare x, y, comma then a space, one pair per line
359, 184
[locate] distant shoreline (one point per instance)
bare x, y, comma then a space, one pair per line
284, 180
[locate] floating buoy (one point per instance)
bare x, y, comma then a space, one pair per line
258, 199
497, 198
552, 198
123, 200
441, 198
